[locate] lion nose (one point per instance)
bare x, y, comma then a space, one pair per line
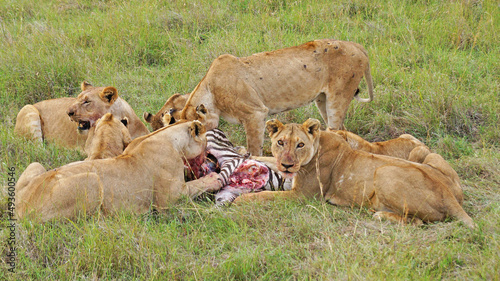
286, 166
70, 113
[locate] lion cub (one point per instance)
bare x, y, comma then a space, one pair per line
108, 139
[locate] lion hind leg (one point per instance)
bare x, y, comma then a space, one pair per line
70, 197
29, 123
437, 162
390, 216
321, 105
34, 169
419, 153
430, 199
384, 212
337, 104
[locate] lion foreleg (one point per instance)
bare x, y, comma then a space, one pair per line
178, 188
207, 183
268, 161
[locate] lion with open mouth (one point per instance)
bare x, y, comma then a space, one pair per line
48, 120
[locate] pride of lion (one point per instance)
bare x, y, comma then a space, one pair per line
130, 169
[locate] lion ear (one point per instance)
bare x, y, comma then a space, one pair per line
201, 109
273, 126
311, 126
126, 137
174, 96
124, 121
148, 117
167, 119
201, 112
85, 85
341, 133
196, 130
107, 117
184, 112
109, 95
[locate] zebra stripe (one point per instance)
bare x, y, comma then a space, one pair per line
229, 159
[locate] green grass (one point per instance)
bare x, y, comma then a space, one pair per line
436, 72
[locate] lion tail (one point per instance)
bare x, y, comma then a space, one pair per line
369, 83
465, 218
456, 210
29, 123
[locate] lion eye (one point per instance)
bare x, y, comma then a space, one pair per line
300, 145
280, 143
86, 102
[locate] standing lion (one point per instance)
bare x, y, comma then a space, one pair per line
246, 90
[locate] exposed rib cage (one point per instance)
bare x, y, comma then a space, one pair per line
229, 159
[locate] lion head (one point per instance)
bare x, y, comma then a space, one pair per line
196, 144
91, 104
171, 107
293, 145
200, 114
109, 138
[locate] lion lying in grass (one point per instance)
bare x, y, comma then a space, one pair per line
149, 173
108, 138
48, 120
325, 166
405, 147
401, 147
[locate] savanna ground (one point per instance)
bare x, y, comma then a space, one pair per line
435, 65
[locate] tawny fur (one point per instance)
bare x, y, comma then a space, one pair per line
246, 90
149, 174
108, 138
325, 166
172, 106
48, 120
400, 147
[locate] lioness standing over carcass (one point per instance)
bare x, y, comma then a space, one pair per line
149, 173
246, 90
